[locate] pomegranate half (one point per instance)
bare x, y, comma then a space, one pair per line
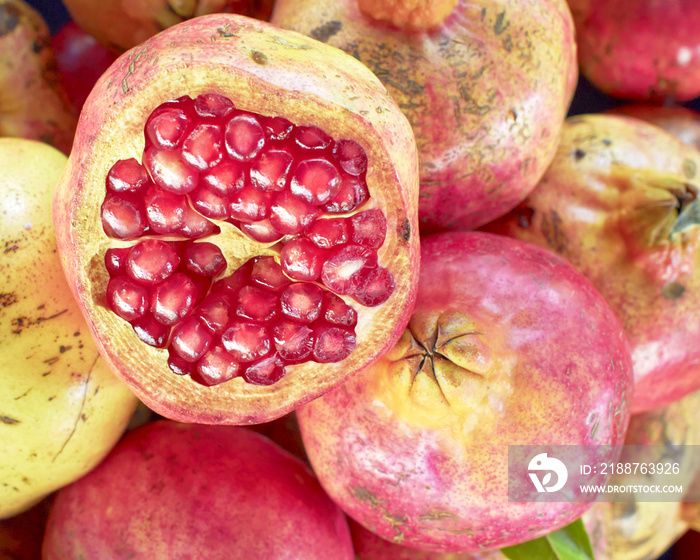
508, 345
171, 490
238, 219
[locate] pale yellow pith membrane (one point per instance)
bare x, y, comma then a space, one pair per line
409, 14
447, 371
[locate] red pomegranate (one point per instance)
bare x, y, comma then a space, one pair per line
508, 345
172, 490
486, 86
620, 202
238, 219
81, 61
640, 49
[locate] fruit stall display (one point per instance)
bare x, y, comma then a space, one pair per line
285, 279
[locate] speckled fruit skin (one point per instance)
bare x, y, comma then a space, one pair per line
123, 24
172, 490
269, 71
486, 94
34, 103
640, 49
61, 408
607, 205
508, 345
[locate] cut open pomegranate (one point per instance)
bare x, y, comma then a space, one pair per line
240, 247
162, 281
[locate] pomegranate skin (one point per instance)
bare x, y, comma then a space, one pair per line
639, 49
508, 345
266, 70
191, 488
609, 204
123, 24
682, 122
486, 93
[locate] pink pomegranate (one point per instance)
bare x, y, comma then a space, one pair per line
508, 345
238, 219
172, 490
620, 202
485, 85
640, 49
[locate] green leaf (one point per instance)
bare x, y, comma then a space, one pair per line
568, 543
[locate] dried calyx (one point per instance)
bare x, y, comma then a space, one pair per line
300, 199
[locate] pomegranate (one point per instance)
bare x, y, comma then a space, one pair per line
61, 408
485, 86
284, 432
682, 122
508, 345
687, 546
21, 535
225, 490
34, 103
238, 219
123, 24
645, 529
639, 49
81, 60
618, 202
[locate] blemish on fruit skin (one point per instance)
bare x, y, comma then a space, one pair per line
8, 420
7, 299
326, 31
405, 231
9, 18
673, 290
81, 414
259, 58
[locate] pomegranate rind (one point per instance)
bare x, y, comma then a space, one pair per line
608, 204
512, 346
486, 93
226, 490
267, 70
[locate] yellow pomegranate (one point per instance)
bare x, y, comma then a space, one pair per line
61, 408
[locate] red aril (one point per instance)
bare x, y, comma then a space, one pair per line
274, 233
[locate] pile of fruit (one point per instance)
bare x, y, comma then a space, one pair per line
286, 279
